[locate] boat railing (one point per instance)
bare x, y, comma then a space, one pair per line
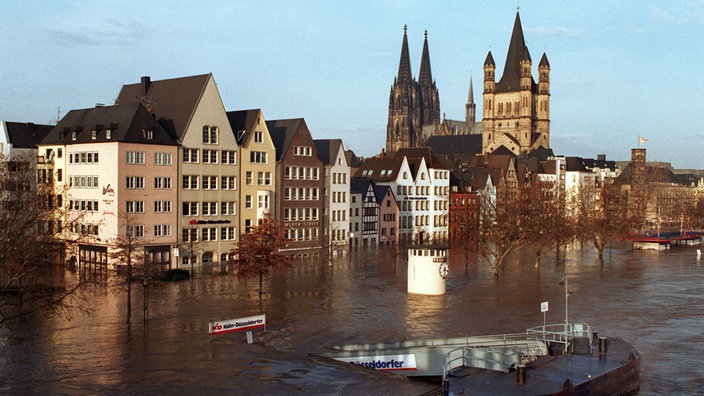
497, 356
562, 333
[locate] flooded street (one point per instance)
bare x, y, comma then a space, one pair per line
654, 300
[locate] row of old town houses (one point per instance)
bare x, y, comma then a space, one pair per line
168, 165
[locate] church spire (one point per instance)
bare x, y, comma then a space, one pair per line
404, 67
425, 77
470, 108
517, 51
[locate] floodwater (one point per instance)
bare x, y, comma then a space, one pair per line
654, 300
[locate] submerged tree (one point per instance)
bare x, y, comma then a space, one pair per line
33, 219
608, 219
129, 250
545, 219
503, 227
258, 251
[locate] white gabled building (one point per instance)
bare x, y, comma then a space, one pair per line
336, 195
422, 188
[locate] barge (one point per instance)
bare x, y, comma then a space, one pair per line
562, 359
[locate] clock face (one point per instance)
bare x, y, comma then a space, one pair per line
443, 270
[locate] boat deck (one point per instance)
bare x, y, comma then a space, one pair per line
562, 374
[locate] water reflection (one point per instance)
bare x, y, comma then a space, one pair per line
652, 299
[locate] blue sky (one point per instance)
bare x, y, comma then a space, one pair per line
618, 69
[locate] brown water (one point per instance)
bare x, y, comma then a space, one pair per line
655, 300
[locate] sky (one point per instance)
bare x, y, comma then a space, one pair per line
619, 70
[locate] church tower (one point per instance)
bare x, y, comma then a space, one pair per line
414, 106
516, 109
470, 108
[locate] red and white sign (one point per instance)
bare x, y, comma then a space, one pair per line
241, 324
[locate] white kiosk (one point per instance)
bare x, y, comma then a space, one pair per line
427, 269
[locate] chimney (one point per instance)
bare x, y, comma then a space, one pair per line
146, 82
383, 153
601, 157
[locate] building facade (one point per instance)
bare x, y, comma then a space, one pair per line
115, 168
516, 109
191, 110
299, 184
257, 180
336, 195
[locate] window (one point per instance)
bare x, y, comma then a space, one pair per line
135, 230
210, 182
190, 182
302, 151
248, 178
162, 206
135, 207
190, 155
135, 182
210, 208
135, 158
162, 183
210, 156
189, 234
163, 159
210, 135
258, 137
263, 202
209, 234
227, 208
190, 208
229, 157
148, 134
108, 134
162, 230
257, 157
74, 134
228, 183
227, 233
248, 201
93, 134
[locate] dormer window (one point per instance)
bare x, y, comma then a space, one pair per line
148, 134
93, 134
74, 134
108, 134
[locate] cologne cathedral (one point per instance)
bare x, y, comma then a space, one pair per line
516, 109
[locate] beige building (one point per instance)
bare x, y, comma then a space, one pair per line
257, 168
114, 169
516, 115
191, 110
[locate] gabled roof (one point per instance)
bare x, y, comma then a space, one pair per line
465, 144
496, 161
517, 52
575, 164
282, 133
242, 120
380, 192
360, 185
26, 134
127, 123
172, 102
380, 169
653, 174
352, 159
328, 149
413, 153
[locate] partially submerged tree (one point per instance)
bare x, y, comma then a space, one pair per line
503, 227
33, 219
609, 219
545, 218
258, 251
129, 250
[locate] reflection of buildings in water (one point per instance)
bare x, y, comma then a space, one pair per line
422, 315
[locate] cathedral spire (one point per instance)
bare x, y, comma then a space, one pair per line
470, 97
517, 51
425, 76
404, 67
